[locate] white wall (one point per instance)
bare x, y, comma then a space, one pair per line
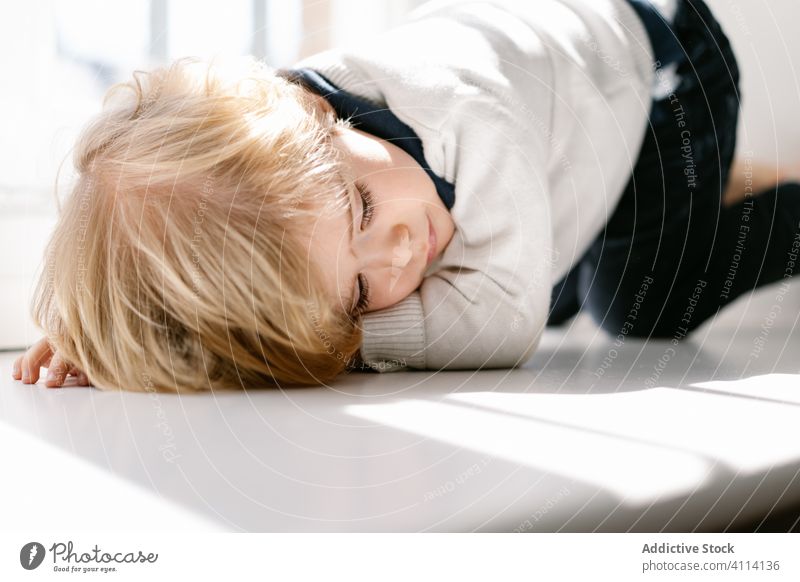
765, 40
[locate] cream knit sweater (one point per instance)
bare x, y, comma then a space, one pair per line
535, 111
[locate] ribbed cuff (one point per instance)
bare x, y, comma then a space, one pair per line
394, 338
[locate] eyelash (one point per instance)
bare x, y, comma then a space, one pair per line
366, 217
366, 201
363, 298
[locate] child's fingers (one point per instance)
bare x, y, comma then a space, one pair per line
56, 372
81, 379
33, 359
16, 369
27, 367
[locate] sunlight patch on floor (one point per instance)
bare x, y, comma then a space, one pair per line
630, 469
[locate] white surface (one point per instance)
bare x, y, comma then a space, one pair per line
46, 488
548, 447
766, 47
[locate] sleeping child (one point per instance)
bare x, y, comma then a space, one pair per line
430, 198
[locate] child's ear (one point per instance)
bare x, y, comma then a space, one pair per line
321, 105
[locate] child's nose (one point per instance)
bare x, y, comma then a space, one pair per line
401, 247
393, 249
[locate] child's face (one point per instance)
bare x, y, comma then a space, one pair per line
380, 248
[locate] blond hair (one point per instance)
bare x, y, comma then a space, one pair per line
177, 262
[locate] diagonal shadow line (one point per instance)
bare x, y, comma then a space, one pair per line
561, 424
718, 466
733, 394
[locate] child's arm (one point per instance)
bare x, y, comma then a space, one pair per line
476, 85
485, 331
488, 303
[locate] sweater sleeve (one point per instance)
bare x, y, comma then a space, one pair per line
487, 304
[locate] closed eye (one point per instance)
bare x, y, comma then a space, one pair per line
363, 295
367, 208
367, 213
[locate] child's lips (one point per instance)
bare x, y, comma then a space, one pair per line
431, 242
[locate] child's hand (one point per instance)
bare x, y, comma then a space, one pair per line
27, 366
